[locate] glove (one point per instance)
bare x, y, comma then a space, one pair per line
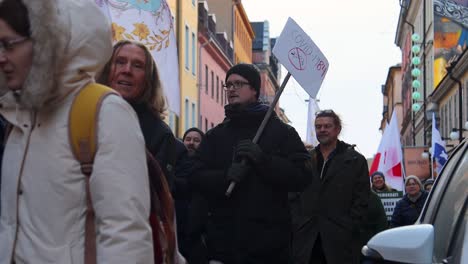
247, 149
237, 172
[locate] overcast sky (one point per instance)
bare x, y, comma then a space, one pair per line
357, 37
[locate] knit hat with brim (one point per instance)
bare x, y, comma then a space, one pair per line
378, 173
418, 181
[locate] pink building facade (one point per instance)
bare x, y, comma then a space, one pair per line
213, 67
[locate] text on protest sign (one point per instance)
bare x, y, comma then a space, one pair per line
301, 57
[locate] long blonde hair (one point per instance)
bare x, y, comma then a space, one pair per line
153, 94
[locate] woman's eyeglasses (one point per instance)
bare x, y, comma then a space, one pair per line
7, 45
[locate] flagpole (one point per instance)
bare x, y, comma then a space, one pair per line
431, 160
262, 125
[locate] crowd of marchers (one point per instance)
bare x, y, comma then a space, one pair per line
126, 190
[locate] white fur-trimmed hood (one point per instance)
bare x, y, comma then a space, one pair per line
71, 43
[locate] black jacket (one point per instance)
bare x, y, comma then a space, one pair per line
334, 206
160, 141
253, 225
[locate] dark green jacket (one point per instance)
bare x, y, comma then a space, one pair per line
333, 207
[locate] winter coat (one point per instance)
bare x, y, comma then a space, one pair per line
159, 139
43, 189
181, 193
407, 212
333, 206
375, 220
253, 225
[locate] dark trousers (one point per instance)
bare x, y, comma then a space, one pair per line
317, 256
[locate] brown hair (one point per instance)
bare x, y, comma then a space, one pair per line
153, 95
329, 113
15, 14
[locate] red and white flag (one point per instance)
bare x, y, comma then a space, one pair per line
389, 157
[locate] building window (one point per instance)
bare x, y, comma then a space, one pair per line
171, 121
217, 88
186, 47
206, 79
212, 84
212, 125
187, 116
193, 115
206, 124
193, 53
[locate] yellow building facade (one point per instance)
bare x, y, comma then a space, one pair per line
185, 14
243, 35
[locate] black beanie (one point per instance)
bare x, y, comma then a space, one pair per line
378, 173
250, 72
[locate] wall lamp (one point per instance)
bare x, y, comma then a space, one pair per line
455, 134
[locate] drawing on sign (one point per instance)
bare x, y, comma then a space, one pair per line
297, 57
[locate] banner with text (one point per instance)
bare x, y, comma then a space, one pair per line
389, 200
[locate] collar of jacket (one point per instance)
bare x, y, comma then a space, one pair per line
341, 147
255, 111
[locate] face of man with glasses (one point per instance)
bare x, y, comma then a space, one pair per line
16, 54
239, 91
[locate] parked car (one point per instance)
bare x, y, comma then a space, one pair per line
440, 235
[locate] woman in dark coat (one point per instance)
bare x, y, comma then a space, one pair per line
133, 73
407, 209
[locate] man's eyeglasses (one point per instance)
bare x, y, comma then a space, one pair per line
8, 45
236, 85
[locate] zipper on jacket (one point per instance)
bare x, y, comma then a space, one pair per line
323, 168
32, 125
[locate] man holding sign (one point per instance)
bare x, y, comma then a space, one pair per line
253, 224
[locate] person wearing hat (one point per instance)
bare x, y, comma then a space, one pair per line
428, 184
407, 209
379, 184
253, 224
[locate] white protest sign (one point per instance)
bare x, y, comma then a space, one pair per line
301, 57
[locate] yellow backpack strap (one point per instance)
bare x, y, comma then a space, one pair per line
82, 126
83, 120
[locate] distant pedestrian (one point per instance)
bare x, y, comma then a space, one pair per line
375, 220
379, 184
329, 214
49, 52
197, 211
192, 139
253, 225
428, 185
408, 209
